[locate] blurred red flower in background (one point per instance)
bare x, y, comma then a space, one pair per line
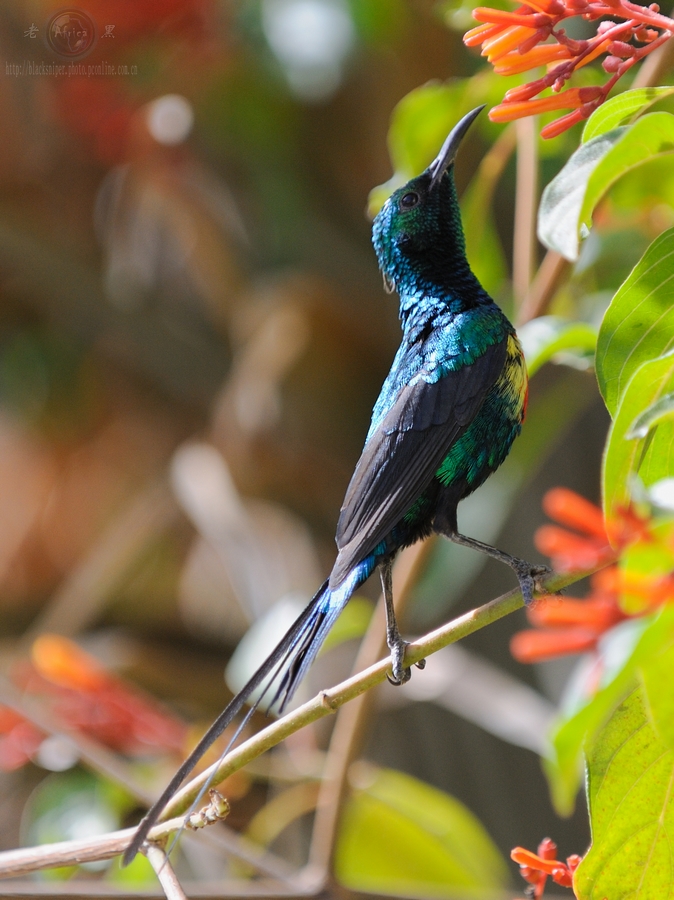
95, 102
87, 698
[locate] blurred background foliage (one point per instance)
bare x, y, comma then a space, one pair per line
192, 334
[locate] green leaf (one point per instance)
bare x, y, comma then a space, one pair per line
659, 688
630, 777
659, 411
645, 562
483, 244
651, 457
621, 109
631, 646
639, 323
562, 200
569, 200
401, 836
547, 336
564, 765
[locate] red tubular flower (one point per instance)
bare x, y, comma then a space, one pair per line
536, 645
570, 552
514, 42
565, 625
537, 867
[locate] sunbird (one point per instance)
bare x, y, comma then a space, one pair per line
446, 417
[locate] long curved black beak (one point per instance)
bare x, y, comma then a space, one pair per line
449, 149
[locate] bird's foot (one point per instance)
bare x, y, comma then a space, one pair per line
399, 673
530, 579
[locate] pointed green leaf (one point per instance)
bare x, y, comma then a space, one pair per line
569, 200
562, 200
547, 336
639, 323
401, 836
631, 800
650, 457
621, 109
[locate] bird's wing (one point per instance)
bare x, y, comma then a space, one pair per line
405, 452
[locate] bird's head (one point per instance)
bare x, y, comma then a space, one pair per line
417, 234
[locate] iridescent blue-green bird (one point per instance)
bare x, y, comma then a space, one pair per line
445, 419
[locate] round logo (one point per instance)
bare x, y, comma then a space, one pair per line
71, 33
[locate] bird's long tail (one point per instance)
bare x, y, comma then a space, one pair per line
291, 658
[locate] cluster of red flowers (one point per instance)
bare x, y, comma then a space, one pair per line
536, 867
86, 698
530, 37
571, 625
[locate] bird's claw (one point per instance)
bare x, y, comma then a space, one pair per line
400, 674
531, 579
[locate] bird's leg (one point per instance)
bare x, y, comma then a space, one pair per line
396, 644
528, 576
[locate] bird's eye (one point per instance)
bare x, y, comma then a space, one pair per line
409, 200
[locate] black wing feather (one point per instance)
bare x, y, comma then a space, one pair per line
403, 455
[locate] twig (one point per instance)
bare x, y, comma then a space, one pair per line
105, 846
526, 200
19, 862
655, 66
73, 853
164, 872
550, 273
329, 701
109, 764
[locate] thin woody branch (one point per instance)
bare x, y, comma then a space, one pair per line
14, 863
329, 701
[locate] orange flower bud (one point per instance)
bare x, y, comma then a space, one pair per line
547, 848
506, 112
611, 64
561, 875
621, 49
524, 857
503, 17
559, 126
508, 40
565, 506
570, 551
536, 645
481, 33
516, 62
525, 91
596, 614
